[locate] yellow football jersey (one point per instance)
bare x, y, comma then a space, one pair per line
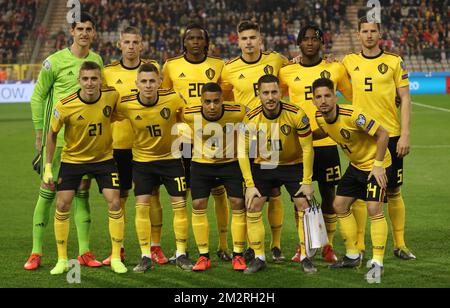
242, 77
279, 136
188, 78
152, 125
87, 135
215, 142
123, 79
375, 81
354, 131
299, 78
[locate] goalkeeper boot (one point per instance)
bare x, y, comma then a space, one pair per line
118, 267
60, 268
328, 254
33, 262
89, 260
404, 254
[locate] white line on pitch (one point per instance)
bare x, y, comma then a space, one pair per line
431, 107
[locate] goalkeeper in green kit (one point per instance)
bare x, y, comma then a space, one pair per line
58, 79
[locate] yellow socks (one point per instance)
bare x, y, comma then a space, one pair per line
256, 232
330, 225
222, 215
301, 233
156, 218
62, 226
359, 209
275, 215
239, 230
200, 226
349, 232
378, 232
396, 208
116, 231
180, 225
143, 226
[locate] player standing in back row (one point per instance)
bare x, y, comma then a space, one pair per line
377, 77
241, 75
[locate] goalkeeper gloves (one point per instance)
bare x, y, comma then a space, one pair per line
37, 163
48, 176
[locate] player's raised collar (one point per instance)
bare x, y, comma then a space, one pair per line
195, 62
253, 62
146, 105
130, 68
311, 65
374, 57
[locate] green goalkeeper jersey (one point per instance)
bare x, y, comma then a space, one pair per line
57, 79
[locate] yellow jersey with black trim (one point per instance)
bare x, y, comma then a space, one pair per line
215, 142
187, 77
278, 138
123, 78
298, 79
375, 81
242, 77
354, 130
87, 135
152, 124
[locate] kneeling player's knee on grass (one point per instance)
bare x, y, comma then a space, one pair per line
237, 203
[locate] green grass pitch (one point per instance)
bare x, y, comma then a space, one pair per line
426, 192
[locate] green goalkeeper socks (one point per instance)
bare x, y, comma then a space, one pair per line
41, 217
82, 214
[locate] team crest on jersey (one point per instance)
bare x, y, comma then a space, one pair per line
107, 111
325, 74
286, 129
305, 120
210, 73
361, 121
47, 65
268, 70
383, 68
165, 113
345, 133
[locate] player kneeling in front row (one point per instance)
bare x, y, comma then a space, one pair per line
285, 157
215, 163
86, 116
153, 113
364, 141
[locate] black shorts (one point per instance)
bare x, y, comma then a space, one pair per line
327, 165
124, 158
105, 173
354, 184
147, 176
288, 175
205, 177
396, 177
186, 153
